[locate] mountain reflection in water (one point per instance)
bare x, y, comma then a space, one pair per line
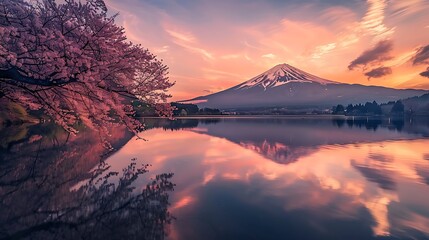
284, 140
234, 178
292, 178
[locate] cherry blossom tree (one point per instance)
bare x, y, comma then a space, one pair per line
71, 60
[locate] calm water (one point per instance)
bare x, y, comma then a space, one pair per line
235, 178
292, 178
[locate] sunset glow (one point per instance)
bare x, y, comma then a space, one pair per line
331, 171
214, 119
213, 45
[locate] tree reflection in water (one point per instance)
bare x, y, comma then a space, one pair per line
50, 194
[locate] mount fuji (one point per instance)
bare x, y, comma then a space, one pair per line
289, 87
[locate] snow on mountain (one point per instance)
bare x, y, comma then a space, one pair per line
285, 86
280, 75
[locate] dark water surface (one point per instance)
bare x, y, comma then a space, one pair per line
236, 178
292, 178
56, 186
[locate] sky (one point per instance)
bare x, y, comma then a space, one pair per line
212, 45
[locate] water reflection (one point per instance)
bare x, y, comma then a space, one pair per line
56, 186
284, 140
292, 178
370, 123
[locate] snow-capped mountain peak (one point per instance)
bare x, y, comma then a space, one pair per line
280, 75
284, 86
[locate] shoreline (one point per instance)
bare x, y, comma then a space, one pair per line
298, 116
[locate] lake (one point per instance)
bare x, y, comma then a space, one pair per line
301, 178
233, 178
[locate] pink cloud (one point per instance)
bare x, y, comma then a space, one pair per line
236, 47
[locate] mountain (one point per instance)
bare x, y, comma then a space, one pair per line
415, 105
286, 139
289, 87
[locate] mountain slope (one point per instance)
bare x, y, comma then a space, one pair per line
280, 75
414, 105
287, 86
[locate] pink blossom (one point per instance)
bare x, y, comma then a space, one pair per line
34, 138
73, 61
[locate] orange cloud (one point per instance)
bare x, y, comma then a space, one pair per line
318, 39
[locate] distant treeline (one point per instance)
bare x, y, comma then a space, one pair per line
183, 109
370, 109
410, 106
13, 113
413, 106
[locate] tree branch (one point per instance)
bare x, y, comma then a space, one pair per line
13, 74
